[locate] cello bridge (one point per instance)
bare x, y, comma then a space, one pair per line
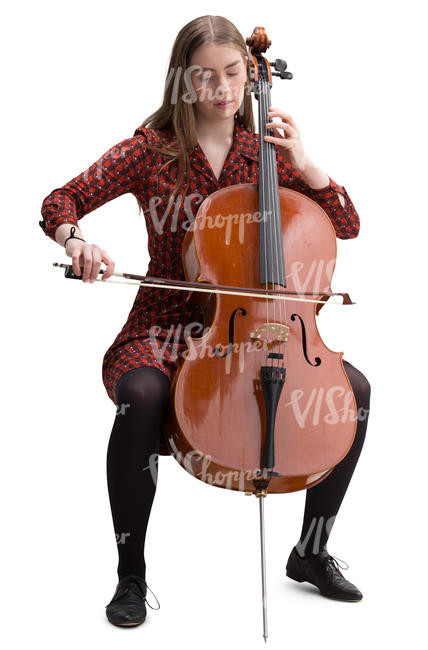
274, 333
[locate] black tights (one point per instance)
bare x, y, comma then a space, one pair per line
132, 464
323, 500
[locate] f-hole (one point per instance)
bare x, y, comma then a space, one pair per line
231, 333
317, 359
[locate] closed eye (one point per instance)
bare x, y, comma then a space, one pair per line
231, 74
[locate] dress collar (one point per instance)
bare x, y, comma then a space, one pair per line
245, 144
248, 142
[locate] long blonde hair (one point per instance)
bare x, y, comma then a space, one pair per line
179, 115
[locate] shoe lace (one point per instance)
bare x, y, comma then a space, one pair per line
133, 584
333, 562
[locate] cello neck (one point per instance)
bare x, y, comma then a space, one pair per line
272, 263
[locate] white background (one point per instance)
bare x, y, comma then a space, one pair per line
78, 78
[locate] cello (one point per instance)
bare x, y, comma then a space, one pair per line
251, 403
259, 403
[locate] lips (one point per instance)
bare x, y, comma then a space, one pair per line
223, 103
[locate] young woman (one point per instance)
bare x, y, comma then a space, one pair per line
201, 139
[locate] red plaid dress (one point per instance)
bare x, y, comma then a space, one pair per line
130, 167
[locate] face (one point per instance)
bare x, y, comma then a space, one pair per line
218, 75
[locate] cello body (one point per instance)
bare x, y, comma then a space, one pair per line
216, 423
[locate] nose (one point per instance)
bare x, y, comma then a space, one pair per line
224, 90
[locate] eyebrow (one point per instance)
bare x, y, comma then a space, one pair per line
225, 67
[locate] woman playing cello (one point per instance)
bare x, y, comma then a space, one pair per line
193, 145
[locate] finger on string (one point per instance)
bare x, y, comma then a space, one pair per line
280, 141
287, 128
284, 116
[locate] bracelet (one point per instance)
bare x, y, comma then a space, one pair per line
73, 236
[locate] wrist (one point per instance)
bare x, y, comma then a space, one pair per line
73, 235
64, 230
314, 176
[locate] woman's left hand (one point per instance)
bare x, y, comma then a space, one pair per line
290, 141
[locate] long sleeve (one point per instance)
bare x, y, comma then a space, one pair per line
345, 219
116, 172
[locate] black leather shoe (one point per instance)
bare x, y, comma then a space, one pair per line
322, 570
128, 607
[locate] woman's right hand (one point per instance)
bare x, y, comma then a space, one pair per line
89, 257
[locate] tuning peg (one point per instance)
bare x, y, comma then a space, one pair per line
283, 75
279, 64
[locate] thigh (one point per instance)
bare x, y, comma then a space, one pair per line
136, 353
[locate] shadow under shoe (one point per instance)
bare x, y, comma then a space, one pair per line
128, 607
322, 570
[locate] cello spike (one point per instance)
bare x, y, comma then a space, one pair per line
261, 494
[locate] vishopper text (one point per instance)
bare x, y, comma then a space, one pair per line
121, 409
205, 90
340, 402
227, 479
189, 351
206, 221
303, 406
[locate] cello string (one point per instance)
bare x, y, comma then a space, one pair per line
274, 213
279, 233
262, 189
267, 197
268, 201
276, 219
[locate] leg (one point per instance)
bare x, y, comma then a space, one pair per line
323, 500
132, 461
